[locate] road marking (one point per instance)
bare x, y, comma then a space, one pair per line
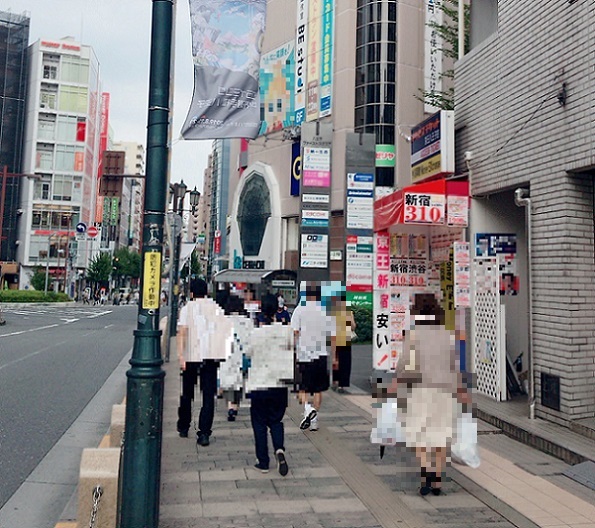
108, 326
32, 354
30, 330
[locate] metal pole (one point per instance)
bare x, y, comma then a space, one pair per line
461, 29
141, 464
47, 265
175, 272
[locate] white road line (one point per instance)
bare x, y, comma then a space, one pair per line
108, 326
30, 330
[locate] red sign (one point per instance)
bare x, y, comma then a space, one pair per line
217, 243
92, 231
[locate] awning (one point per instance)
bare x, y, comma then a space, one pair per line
390, 210
241, 275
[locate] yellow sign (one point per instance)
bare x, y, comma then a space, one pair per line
151, 280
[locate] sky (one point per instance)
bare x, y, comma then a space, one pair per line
119, 32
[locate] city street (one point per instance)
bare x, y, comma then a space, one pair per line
53, 361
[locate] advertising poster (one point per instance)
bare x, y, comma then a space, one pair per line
384, 358
424, 208
462, 275
433, 44
314, 57
296, 169
276, 88
326, 74
226, 43
301, 63
457, 211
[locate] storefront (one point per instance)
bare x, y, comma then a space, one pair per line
419, 247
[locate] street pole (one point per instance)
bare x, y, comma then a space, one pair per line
47, 265
175, 271
141, 464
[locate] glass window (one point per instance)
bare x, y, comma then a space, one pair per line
73, 99
392, 10
62, 189
45, 157
41, 190
65, 157
359, 117
373, 72
74, 69
50, 71
46, 126
389, 93
253, 214
66, 128
391, 52
372, 114
373, 52
360, 95
47, 99
392, 32
373, 93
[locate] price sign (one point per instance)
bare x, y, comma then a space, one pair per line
424, 208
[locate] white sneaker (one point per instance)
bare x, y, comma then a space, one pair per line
309, 415
314, 424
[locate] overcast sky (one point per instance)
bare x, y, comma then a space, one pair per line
119, 32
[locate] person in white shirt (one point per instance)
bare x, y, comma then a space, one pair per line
313, 329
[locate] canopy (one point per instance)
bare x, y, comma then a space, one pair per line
241, 275
390, 210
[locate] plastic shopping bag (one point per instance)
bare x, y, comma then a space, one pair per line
464, 450
388, 429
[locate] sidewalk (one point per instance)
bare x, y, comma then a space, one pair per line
336, 479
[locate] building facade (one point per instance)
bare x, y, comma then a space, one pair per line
14, 39
524, 120
61, 149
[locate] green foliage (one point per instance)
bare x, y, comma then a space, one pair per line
363, 323
31, 296
38, 279
449, 34
100, 268
126, 263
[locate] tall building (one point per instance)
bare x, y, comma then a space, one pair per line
131, 209
61, 148
524, 120
14, 39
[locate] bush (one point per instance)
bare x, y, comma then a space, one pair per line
31, 296
363, 322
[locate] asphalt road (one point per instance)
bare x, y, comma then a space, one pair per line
52, 363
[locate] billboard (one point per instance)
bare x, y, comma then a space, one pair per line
433, 44
432, 147
276, 89
326, 73
226, 43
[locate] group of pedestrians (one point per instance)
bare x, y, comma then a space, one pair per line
258, 362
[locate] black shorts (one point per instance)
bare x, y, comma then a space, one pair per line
313, 376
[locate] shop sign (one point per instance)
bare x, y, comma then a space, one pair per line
217, 243
364, 299
253, 264
409, 272
492, 244
386, 156
283, 283
314, 251
336, 254
384, 357
315, 218
316, 198
357, 180
296, 168
424, 208
316, 167
432, 147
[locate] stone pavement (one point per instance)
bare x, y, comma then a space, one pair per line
337, 480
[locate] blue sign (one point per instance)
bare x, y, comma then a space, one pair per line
296, 168
81, 227
314, 222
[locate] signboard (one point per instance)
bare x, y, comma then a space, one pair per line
424, 208
151, 280
433, 44
316, 198
432, 147
296, 169
92, 231
462, 275
114, 211
382, 353
326, 74
301, 40
217, 243
386, 155
316, 167
81, 227
314, 46
315, 218
457, 210
314, 251
359, 262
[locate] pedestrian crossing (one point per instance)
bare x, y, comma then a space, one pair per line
59, 312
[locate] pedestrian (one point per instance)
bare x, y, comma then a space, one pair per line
280, 300
427, 370
282, 315
271, 368
345, 324
193, 367
313, 328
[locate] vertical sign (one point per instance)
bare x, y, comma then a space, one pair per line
315, 201
326, 77
151, 280
382, 353
301, 63
432, 50
296, 168
103, 138
462, 275
217, 243
314, 52
114, 211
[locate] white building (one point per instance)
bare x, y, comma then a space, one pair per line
61, 147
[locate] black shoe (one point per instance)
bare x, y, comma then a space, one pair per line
262, 468
436, 490
424, 490
231, 415
183, 433
203, 439
282, 466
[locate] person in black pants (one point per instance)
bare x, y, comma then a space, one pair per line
191, 369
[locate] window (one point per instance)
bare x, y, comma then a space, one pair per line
69, 158
48, 97
73, 99
46, 126
253, 214
74, 69
42, 188
66, 128
50, 71
45, 157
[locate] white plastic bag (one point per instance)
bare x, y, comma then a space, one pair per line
464, 450
388, 429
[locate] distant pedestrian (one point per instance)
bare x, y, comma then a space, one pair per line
271, 368
282, 315
313, 329
345, 325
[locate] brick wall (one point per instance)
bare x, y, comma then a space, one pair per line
508, 114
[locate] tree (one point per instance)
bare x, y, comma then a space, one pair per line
38, 279
126, 264
195, 266
100, 269
448, 32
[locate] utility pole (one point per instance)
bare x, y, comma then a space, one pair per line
141, 466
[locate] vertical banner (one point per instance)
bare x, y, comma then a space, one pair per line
432, 50
103, 139
462, 275
326, 77
381, 353
226, 42
301, 62
296, 168
314, 52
